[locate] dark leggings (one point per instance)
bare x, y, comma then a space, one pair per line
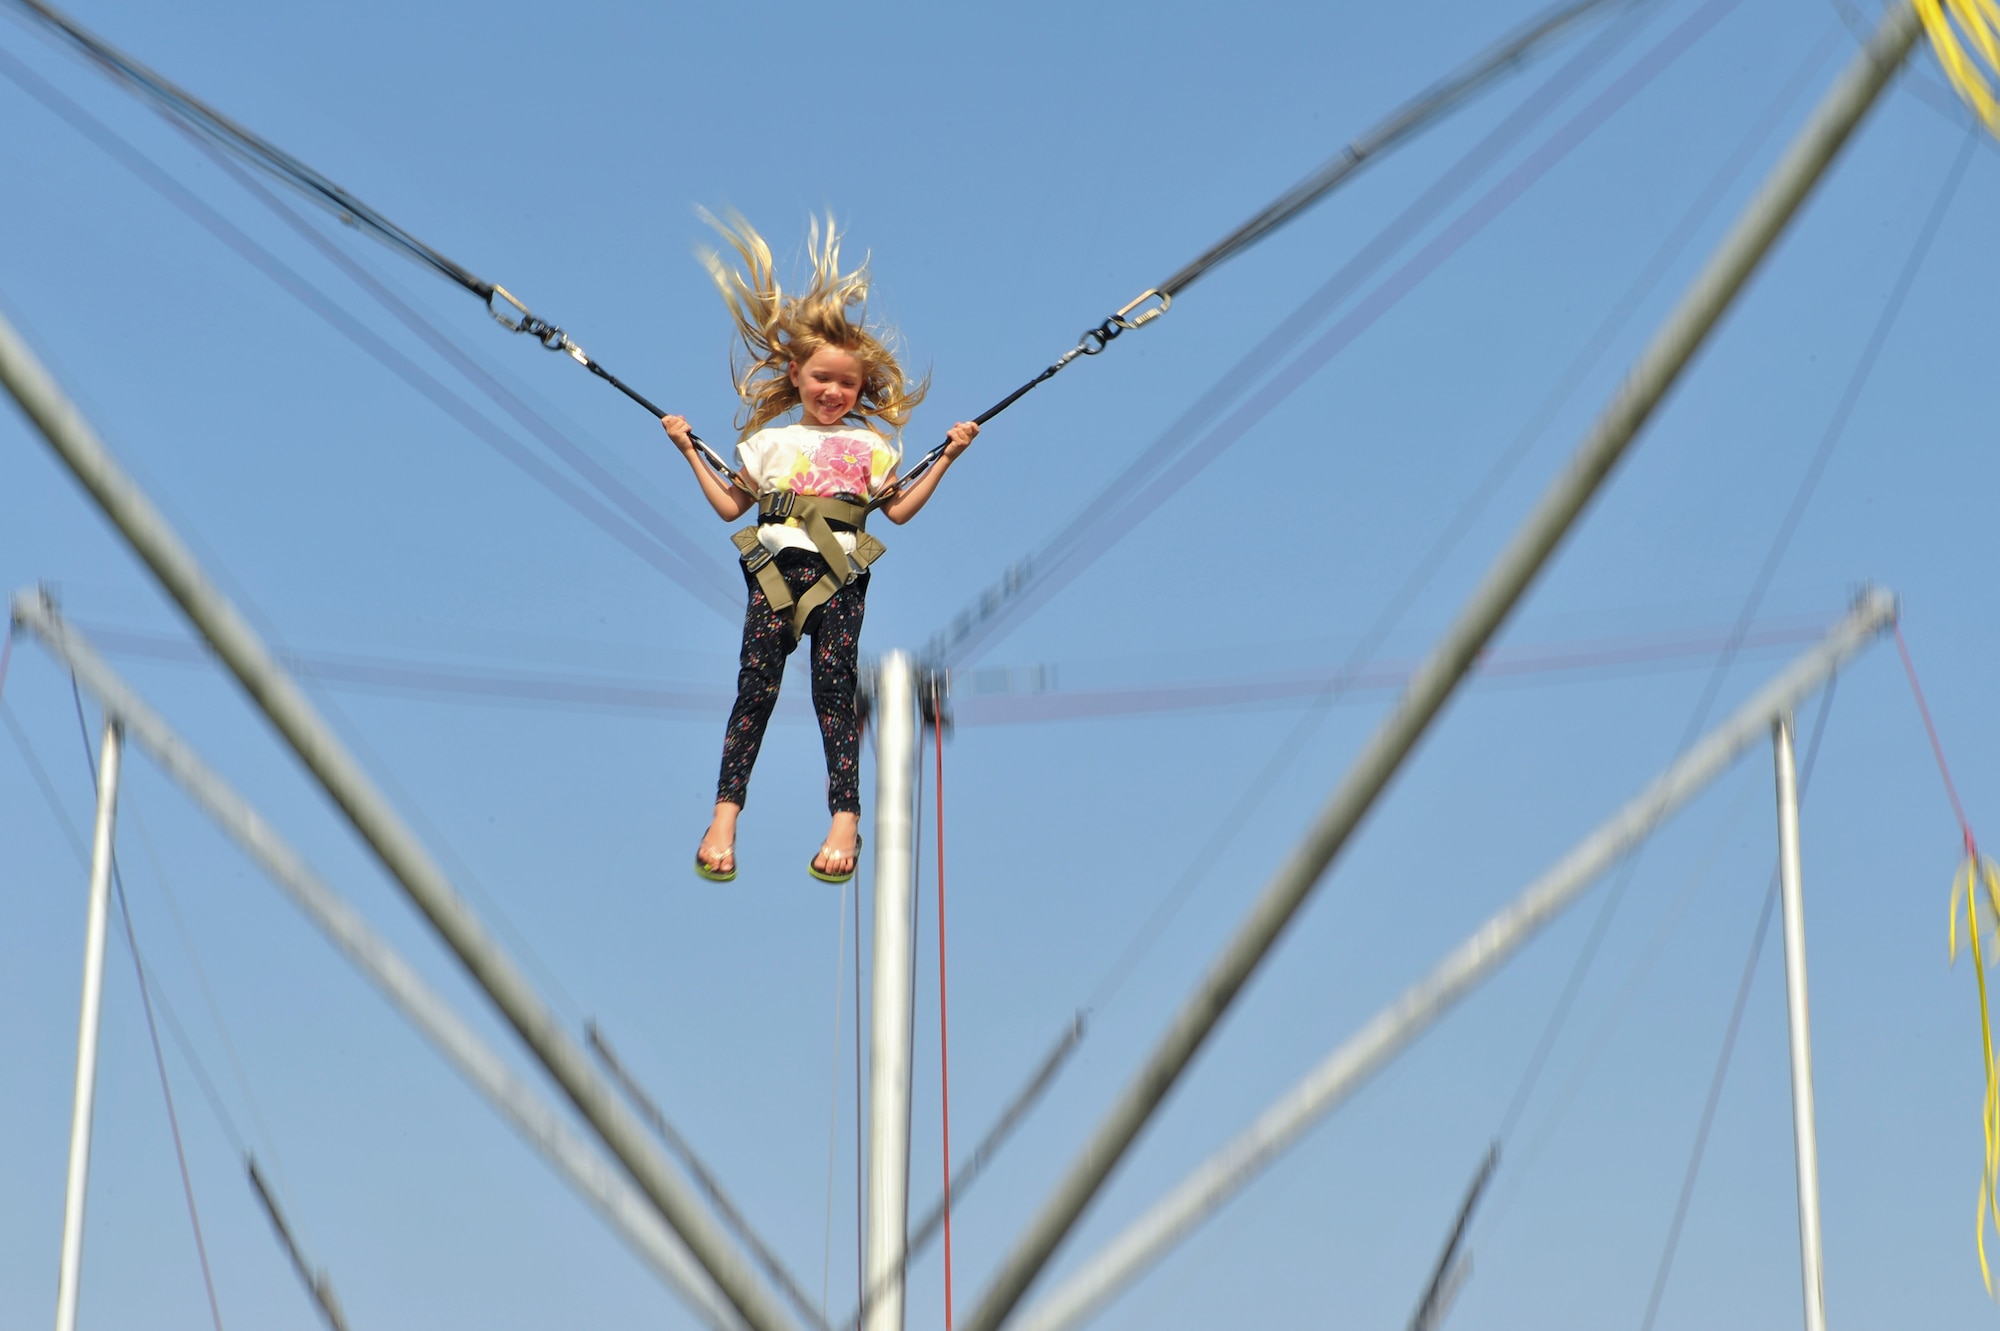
835, 630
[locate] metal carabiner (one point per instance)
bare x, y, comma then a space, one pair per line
512, 325
1103, 335
1166, 303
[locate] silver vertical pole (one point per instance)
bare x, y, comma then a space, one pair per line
86, 1035
889, 1053
1805, 1135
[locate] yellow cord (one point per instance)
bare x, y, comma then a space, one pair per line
1977, 873
1952, 24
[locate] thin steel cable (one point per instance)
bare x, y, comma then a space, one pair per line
173, 1117
81, 852
1708, 1108
1721, 1073
242, 1078
681, 562
1937, 746
1780, 544
44, 784
153, 1033
725, 1206
1616, 1011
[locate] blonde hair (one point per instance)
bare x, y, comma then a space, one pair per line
778, 330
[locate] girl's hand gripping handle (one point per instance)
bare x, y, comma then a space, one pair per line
728, 500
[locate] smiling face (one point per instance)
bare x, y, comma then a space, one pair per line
829, 383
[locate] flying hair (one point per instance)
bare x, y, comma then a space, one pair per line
778, 330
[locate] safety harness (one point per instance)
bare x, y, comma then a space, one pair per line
821, 517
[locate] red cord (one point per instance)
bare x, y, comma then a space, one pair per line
1923, 708
944, 1039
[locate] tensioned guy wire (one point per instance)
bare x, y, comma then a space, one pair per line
153, 1033
1714, 1097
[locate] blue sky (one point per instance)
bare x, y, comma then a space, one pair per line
1016, 173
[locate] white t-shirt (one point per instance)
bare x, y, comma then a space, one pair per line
821, 460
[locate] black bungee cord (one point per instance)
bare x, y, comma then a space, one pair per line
513, 314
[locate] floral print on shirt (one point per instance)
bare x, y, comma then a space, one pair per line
841, 464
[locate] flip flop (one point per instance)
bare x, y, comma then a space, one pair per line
703, 870
813, 868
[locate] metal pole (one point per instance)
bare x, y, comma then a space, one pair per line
892, 1003
600, 1183
71, 1271
79, 448
1648, 383
1805, 1136
1398, 1025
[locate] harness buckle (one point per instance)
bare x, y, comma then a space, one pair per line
778, 505
754, 560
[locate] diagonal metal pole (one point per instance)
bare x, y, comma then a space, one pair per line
1655, 373
1357, 1059
598, 1181
394, 844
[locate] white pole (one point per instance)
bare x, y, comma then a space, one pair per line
1396, 1026
889, 1053
595, 1179
86, 1036
1805, 1135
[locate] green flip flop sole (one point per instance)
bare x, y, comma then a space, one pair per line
813, 869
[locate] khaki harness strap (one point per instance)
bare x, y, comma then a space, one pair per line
811, 512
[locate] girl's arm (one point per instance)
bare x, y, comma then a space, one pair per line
728, 502
911, 501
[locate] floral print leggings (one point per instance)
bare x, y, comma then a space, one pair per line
835, 630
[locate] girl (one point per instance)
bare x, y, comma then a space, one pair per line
806, 561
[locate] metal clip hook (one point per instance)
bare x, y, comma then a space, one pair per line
1166, 303
1098, 338
510, 323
